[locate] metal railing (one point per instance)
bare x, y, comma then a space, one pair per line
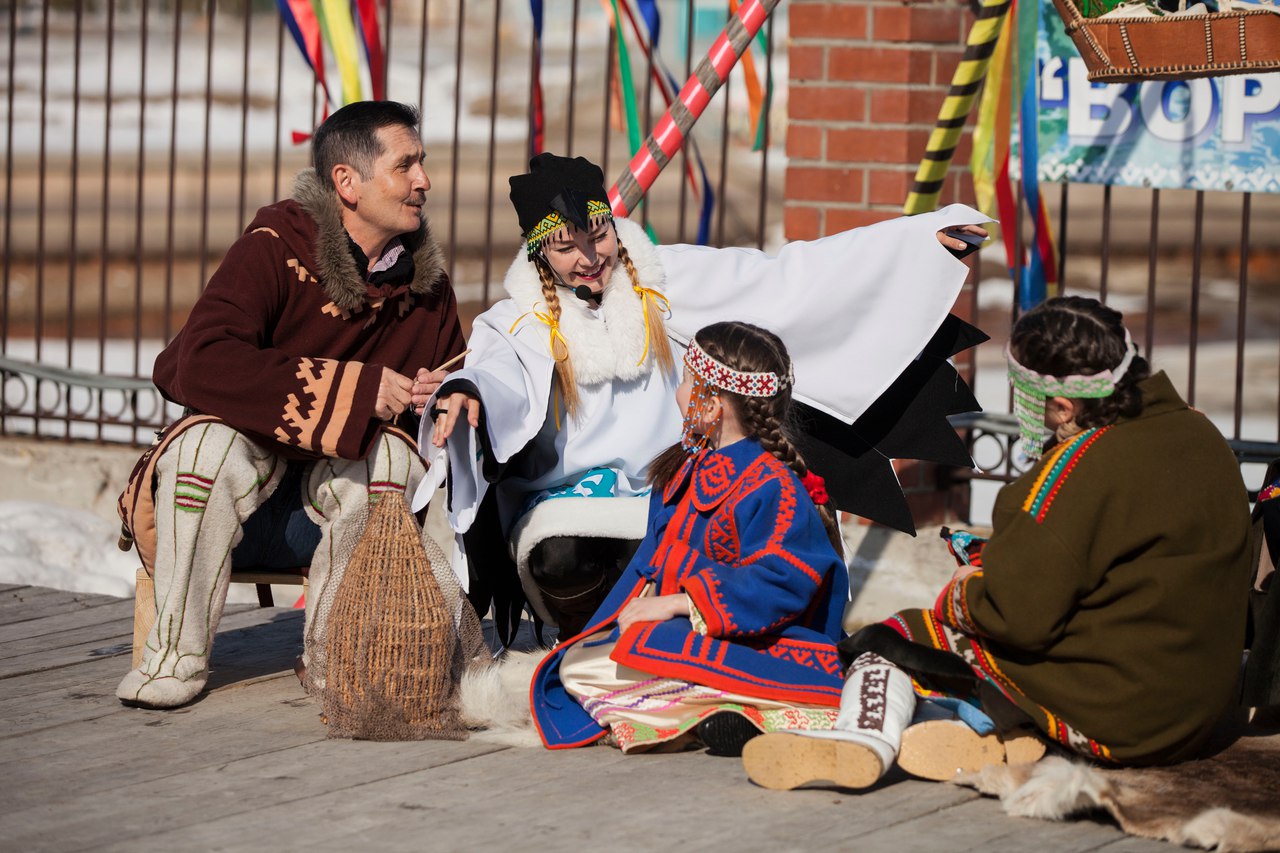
1200, 290
140, 136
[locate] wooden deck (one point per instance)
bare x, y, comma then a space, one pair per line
248, 766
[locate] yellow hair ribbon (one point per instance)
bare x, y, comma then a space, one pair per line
660, 301
550, 320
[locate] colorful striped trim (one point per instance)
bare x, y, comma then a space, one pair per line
378, 487
192, 492
952, 607
1057, 468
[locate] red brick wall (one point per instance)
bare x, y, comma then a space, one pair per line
867, 78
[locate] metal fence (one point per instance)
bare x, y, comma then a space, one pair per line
140, 136
1197, 276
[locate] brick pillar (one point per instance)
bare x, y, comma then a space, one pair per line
867, 78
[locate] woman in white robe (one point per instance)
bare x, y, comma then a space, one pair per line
594, 307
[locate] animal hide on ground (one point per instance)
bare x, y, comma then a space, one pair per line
1228, 802
494, 700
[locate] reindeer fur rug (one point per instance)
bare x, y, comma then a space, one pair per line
1228, 802
494, 700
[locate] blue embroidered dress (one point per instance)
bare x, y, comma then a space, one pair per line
736, 532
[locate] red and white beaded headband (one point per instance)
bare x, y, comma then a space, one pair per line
737, 381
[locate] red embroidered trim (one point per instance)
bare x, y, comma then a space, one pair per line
721, 376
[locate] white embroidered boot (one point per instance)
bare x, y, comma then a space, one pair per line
209, 481
339, 491
876, 704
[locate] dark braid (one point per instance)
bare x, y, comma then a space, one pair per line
752, 349
1077, 335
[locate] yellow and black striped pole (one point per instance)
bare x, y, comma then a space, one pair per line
965, 84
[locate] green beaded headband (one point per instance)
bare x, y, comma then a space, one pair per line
1031, 389
597, 212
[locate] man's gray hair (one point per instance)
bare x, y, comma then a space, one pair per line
350, 136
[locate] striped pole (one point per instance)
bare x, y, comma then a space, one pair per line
669, 133
965, 84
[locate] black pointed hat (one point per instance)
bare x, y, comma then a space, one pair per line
560, 184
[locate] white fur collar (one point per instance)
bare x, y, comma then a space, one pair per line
604, 343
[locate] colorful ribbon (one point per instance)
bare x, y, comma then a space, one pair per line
372, 39
1042, 270
549, 319
300, 19
759, 95
655, 297
671, 130
314, 23
537, 120
965, 82
667, 87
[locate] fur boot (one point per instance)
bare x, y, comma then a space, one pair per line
209, 481
338, 492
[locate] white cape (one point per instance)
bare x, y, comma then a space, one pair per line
854, 309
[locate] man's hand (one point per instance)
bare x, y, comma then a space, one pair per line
424, 385
650, 609
446, 412
394, 392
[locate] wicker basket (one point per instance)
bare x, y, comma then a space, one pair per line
1131, 50
393, 658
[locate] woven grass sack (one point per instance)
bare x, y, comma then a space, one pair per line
393, 657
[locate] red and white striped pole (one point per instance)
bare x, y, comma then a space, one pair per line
669, 134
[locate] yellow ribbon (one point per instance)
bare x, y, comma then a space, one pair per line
549, 319
659, 301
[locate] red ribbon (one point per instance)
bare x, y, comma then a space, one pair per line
816, 487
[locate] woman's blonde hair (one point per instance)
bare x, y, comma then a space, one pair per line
658, 345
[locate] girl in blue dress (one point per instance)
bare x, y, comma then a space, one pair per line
725, 623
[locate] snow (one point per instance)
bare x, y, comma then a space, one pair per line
46, 545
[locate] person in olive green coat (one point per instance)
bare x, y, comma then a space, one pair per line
1106, 613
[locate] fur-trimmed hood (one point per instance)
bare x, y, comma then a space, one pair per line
608, 342
331, 256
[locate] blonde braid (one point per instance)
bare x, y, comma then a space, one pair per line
659, 345
559, 351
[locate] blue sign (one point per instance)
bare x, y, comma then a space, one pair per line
1219, 133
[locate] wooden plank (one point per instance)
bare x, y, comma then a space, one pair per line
21, 606
95, 633
294, 775
593, 797
19, 688
982, 825
249, 761
234, 617
132, 745
116, 609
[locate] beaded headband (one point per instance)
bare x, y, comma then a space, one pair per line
728, 379
1031, 389
597, 212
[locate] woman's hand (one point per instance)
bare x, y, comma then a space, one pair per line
446, 412
965, 571
653, 609
956, 243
